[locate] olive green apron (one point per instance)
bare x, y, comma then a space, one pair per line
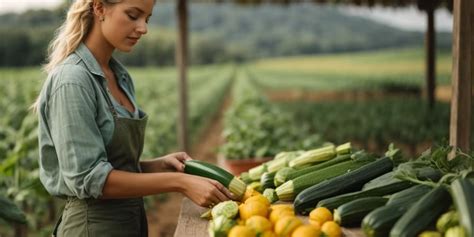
111, 217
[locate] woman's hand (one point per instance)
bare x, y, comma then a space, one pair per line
205, 192
170, 162
175, 161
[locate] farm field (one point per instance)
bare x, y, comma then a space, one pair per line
376, 70
350, 113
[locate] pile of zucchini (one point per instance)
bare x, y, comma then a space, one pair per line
384, 196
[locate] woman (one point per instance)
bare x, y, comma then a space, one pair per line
91, 129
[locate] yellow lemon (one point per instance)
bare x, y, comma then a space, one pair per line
250, 209
331, 229
321, 215
286, 225
268, 233
282, 206
315, 224
241, 231
258, 198
259, 224
306, 231
275, 215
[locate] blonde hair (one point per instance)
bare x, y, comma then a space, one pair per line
70, 34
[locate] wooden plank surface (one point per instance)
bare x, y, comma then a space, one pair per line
190, 224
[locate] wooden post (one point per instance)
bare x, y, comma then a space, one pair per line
181, 55
460, 127
430, 54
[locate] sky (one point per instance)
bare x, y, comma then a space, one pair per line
404, 18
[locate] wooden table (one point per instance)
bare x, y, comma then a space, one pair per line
190, 224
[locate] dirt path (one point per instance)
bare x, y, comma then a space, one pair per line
162, 221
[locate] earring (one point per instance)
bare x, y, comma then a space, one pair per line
101, 18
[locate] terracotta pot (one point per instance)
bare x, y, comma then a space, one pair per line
238, 166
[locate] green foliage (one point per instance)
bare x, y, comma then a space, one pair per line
254, 128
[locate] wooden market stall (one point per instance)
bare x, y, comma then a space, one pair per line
190, 224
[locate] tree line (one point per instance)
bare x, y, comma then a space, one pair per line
220, 33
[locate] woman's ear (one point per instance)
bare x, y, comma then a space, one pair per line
98, 10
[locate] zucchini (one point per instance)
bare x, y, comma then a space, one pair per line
336, 201
379, 222
291, 173
291, 188
267, 180
204, 169
348, 182
423, 213
352, 213
270, 194
314, 156
462, 191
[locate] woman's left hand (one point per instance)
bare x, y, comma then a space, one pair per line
174, 161
170, 162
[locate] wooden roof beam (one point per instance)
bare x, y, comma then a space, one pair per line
462, 74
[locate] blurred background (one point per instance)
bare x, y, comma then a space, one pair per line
262, 79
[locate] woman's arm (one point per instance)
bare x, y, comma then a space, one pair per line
202, 191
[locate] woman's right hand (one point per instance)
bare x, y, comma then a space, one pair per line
205, 192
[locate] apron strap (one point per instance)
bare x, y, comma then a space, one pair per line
56, 226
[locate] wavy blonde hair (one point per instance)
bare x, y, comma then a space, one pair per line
72, 32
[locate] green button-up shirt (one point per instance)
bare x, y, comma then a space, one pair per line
76, 124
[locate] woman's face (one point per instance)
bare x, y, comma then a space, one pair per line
125, 22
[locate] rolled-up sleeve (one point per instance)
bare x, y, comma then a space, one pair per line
80, 148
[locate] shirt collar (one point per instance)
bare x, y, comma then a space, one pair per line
91, 63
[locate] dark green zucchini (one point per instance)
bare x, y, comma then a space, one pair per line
423, 213
334, 202
379, 222
267, 180
208, 170
352, 213
349, 182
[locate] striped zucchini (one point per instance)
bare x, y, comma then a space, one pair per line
462, 191
289, 173
291, 188
314, 156
379, 222
267, 180
352, 213
348, 182
335, 202
423, 213
204, 169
